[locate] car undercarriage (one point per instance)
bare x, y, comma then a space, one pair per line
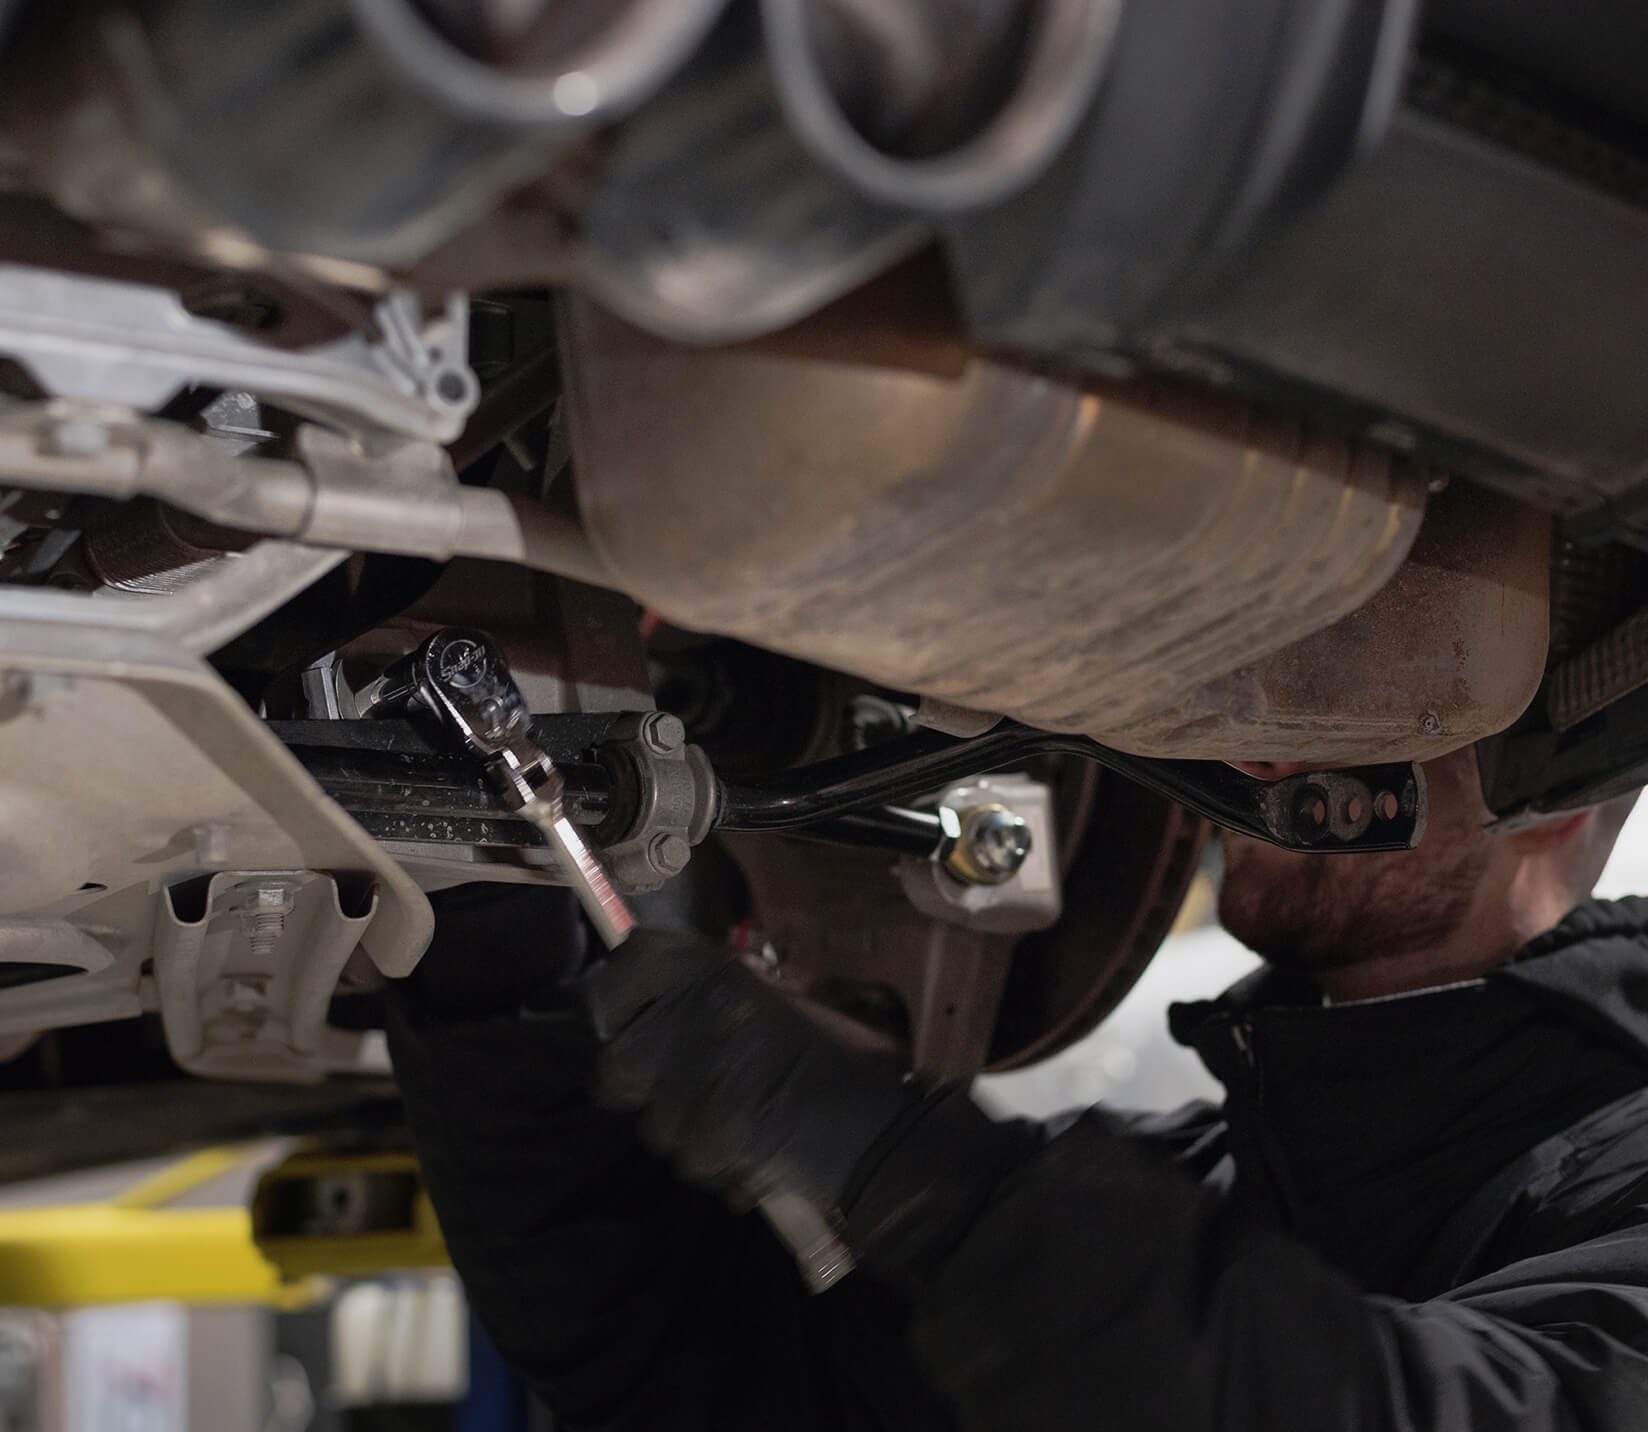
896, 455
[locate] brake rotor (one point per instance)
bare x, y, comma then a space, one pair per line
1129, 873
835, 925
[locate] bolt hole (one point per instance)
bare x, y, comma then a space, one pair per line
949, 1011
450, 387
1310, 812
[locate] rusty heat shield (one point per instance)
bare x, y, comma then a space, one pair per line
1171, 571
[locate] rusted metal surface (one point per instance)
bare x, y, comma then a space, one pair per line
1078, 558
1128, 876
845, 934
1452, 649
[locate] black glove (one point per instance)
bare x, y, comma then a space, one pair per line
498, 949
739, 1088
746, 1094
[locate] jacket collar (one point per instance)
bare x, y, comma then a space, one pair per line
1593, 964
1360, 1126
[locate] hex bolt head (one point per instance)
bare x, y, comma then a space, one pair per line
265, 915
1000, 843
662, 734
989, 847
668, 854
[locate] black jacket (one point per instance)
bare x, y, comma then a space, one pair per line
1412, 1215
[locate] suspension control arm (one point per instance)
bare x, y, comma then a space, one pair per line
1362, 808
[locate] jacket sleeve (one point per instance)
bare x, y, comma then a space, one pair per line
627, 1299
1096, 1285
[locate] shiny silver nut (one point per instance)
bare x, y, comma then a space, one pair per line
668, 854
662, 734
272, 898
998, 843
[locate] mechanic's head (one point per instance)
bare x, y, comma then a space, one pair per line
1460, 904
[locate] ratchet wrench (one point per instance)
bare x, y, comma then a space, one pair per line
464, 678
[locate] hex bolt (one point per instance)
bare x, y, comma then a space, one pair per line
265, 916
988, 847
662, 734
999, 842
668, 854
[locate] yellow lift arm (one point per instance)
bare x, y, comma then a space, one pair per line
315, 1215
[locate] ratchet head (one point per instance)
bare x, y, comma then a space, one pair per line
463, 678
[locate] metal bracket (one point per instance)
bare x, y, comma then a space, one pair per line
198, 618
133, 768
244, 983
110, 341
1012, 901
667, 791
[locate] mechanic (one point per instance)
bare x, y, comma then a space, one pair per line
1423, 1205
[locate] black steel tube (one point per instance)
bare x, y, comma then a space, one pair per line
1367, 808
891, 828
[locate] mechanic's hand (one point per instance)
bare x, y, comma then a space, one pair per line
733, 1082
498, 949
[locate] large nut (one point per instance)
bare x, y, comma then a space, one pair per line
991, 848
